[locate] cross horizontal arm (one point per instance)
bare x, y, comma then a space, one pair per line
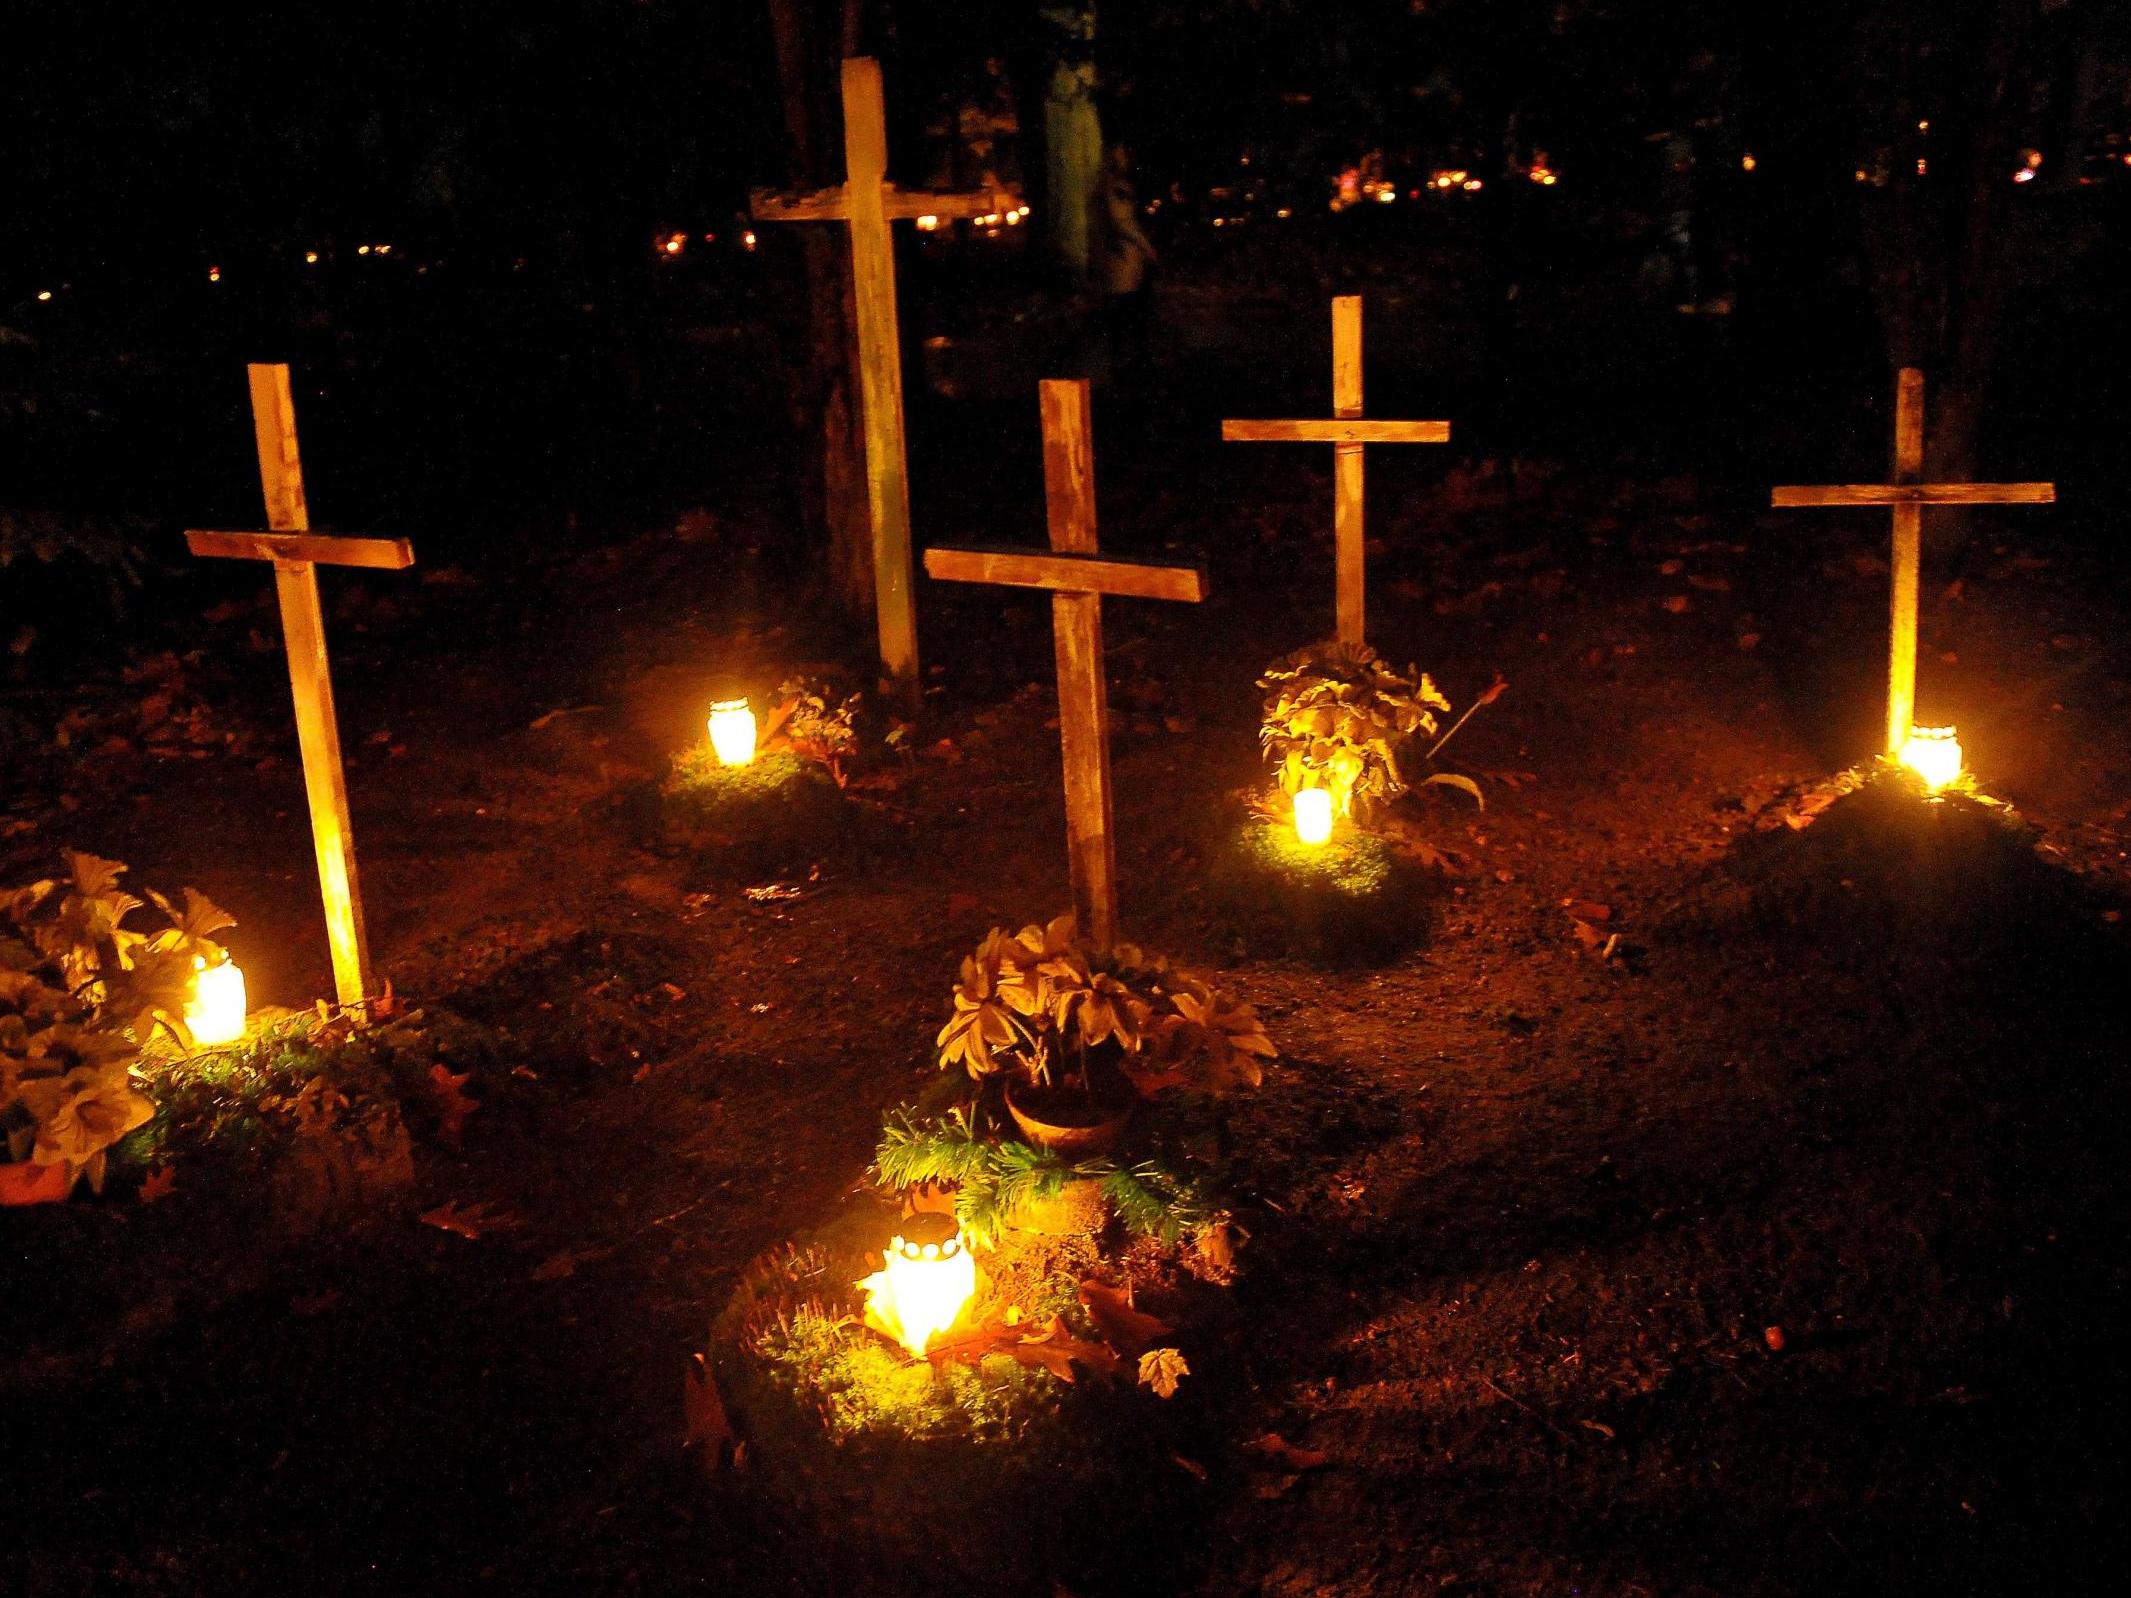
981, 203
385, 554
1915, 494
817, 205
1071, 574
1335, 430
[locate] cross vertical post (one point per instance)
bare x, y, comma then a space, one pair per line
1083, 683
866, 202
880, 375
1078, 575
295, 552
1908, 558
1347, 469
1907, 496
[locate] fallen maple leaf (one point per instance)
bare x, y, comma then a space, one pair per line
453, 1106
1161, 1369
160, 1184
469, 1222
706, 1430
1124, 1327
1278, 1452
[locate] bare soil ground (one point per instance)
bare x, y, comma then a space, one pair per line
1778, 1253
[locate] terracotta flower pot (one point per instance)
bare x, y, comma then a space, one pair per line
1073, 1126
1078, 1209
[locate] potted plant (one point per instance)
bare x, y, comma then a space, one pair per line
1077, 1035
1337, 717
81, 995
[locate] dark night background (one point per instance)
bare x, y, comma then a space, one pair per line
524, 355
1723, 1192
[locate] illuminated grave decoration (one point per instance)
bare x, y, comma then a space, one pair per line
1934, 754
1078, 577
215, 1013
297, 553
1908, 495
866, 202
927, 1278
1348, 435
1313, 815
732, 731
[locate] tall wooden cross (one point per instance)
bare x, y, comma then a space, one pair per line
1078, 576
1347, 433
867, 202
297, 553
1909, 496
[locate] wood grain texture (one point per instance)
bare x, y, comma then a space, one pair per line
1310, 430
1914, 494
1083, 677
1075, 574
303, 628
902, 204
294, 551
1348, 504
378, 554
274, 431
880, 376
1906, 565
813, 205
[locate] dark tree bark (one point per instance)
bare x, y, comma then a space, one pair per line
812, 38
1939, 256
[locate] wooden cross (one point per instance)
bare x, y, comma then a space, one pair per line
296, 553
867, 202
1908, 496
1078, 576
1347, 433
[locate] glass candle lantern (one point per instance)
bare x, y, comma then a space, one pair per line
1313, 815
1934, 754
215, 1013
927, 1279
732, 732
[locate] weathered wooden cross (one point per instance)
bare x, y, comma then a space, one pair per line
1908, 496
1347, 433
296, 553
1078, 577
867, 202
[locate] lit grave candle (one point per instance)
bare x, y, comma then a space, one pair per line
926, 1280
1934, 754
732, 732
1313, 815
215, 1014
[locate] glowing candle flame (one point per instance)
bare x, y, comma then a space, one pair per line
732, 732
1934, 754
922, 1286
215, 1014
1313, 815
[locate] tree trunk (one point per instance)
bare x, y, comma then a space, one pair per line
1980, 268
823, 395
1072, 140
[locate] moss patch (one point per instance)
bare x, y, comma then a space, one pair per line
1354, 900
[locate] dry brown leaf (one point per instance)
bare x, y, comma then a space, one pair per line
1280, 1454
160, 1184
1130, 1330
452, 1104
